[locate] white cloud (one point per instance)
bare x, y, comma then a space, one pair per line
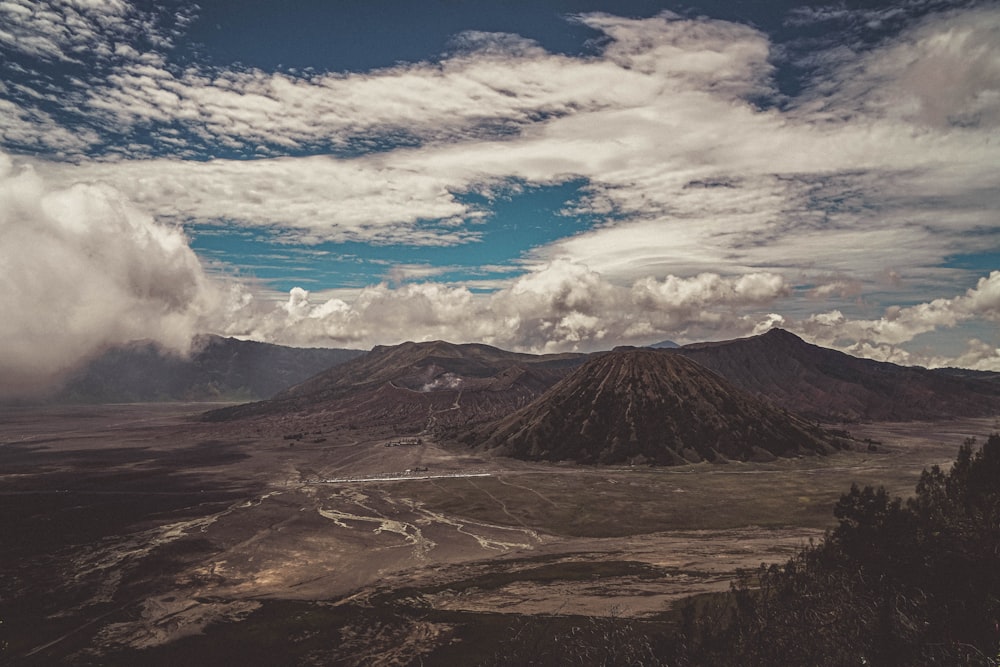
713, 209
75, 31
706, 290
840, 288
945, 72
978, 355
555, 307
728, 58
84, 269
317, 198
35, 129
492, 88
879, 338
698, 179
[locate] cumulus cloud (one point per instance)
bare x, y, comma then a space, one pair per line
709, 289
84, 269
978, 355
842, 288
713, 208
880, 338
554, 307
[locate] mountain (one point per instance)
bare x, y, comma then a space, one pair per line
984, 376
448, 389
643, 405
434, 385
825, 384
218, 369
664, 345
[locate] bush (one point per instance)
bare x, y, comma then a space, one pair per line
894, 584
915, 583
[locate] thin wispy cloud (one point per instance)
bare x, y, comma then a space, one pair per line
859, 209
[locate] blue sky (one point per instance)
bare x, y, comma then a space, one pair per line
541, 176
515, 222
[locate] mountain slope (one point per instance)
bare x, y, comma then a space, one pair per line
435, 384
982, 376
648, 406
825, 384
219, 368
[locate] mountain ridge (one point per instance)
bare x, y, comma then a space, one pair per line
489, 379
825, 384
818, 383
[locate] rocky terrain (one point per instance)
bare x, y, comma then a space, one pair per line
469, 384
148, 537
650, 406
418, 386
828, 385
343, 523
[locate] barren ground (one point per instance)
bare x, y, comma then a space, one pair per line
136, 534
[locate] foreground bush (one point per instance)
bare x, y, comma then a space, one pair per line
894, 584
915, 583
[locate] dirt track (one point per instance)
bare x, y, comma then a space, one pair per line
138, 527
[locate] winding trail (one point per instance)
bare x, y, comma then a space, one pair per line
411, 533
488, 536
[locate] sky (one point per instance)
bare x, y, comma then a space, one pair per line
542, 176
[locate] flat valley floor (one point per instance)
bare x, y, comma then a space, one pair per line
139, 534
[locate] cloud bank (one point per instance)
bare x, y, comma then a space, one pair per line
691, 175
880, 337
85, 269
723, 207
555, 307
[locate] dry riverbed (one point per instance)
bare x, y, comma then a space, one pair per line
139, 535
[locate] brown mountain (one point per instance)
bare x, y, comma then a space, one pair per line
984, 376
825, 384
644, 405
434, 385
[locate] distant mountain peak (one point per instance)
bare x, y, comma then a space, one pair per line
786, 338
827, 384
777, 333
649, 406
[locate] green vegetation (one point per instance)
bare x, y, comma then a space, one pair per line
915, 583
